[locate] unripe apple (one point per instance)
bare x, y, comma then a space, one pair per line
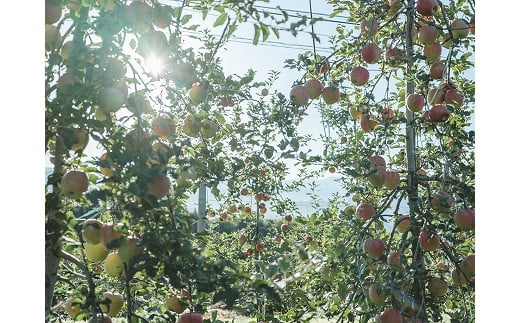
427, 7
459, 28
465, 219
52, 11
80, 139
110, 99
52, 37
374, 247
437, 70
173, 303
113, 265
437, 286
190, 318
330, 94
377, 176
74, 183
429, 241
198, 93
107, 171
129, 248
161, 19
376, 294
439, 113
299, 95
159, 186
428, 34
163, 127
458, 277
90, 231
73, 306
314, 88
415, 102
435, 96
453, 97
365, 211
432, 52
191, 126
111, 303
359, 76
356, 112
392, 180
391, 315
371, 53
403, 223
209, 128
95, 252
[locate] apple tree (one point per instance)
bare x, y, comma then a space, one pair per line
166, 121
399, 106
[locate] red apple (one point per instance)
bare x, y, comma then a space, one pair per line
429, 241
453, 97
249, 252
392, 315
108, 235
278, 238
371, 53
376, 294
439, 113
314, 88
244, 191
374, 247
284, 227
415, 102
299, 95
259, 247
366, 123
190, 318
159, 185
359, 76
437, 70
428, 34
163, 127
387, 114
394, 56
432, 52
459, 28
288, 218
369, 27
465, 220
392, 180
437, 286
330, 94
242, 239
393, 259
427, 7
52, 12
442, 201
74, 183
468, 266
365, 211
247, 209
376, 161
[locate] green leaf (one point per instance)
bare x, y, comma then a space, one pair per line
185, 19
265, 31
257, 35
221, 19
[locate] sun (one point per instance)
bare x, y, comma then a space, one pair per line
154, 65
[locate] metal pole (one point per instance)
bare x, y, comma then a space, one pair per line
201, 223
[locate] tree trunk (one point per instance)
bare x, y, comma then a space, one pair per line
418, 281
